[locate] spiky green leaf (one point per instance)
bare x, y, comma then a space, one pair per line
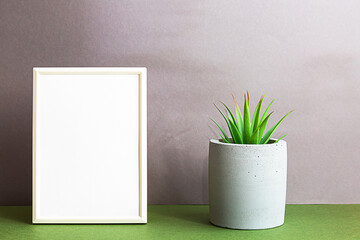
266, 111
247, 123
226, 119
257, 135
269, 133
256, 117
228, 110
254, 138
239, 118
224, 139
222, 130
235, 133
280, 138
263, 125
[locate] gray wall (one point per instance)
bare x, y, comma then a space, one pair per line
304, 53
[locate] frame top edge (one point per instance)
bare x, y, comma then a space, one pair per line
89, 69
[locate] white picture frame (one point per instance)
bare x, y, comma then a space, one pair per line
89, 145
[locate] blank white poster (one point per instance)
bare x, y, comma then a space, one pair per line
87, 152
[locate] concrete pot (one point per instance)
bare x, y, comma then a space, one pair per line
247, 184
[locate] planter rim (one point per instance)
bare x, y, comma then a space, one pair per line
217, 141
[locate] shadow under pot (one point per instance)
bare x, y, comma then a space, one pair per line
247, 184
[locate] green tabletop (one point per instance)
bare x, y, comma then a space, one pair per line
191, 222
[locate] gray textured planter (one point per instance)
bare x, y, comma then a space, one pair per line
247, 184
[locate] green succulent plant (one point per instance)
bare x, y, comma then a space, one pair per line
243, 130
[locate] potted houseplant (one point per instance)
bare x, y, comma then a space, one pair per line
247, 171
